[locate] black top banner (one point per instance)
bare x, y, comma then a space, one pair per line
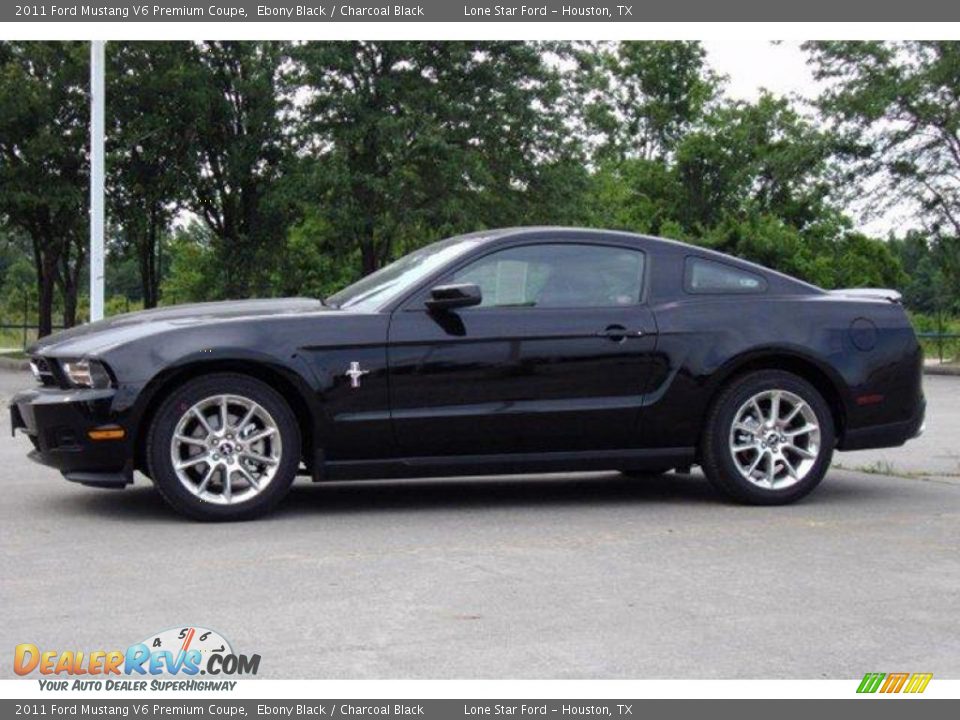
480, 11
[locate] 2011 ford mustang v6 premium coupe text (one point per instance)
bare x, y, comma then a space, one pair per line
509, 351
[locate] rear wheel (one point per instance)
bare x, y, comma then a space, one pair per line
769, 438
223, 447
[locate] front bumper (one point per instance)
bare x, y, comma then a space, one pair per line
58, 421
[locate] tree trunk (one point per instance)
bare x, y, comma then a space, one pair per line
69, 277
148, 272
368, 257
45, 265
156, 296
68, 292
148, 262
46, 284
70, 305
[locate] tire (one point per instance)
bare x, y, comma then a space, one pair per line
802, 442
259, 449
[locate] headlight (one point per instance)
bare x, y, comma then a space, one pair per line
86, 373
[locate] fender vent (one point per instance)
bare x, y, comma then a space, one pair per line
43, 370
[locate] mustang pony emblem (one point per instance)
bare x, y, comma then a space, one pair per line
355, 373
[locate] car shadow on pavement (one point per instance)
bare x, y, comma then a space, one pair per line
471, 494
586, 489
142, 502
135, 503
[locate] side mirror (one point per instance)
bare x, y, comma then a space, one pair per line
448, 297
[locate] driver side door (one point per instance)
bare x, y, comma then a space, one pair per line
554, 359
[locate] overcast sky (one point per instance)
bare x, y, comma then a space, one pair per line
754, 64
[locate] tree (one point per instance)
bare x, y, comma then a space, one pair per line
44, 168
646, 95
635, 194
898, 106
151, 124
763, 156
192, 264
419, 139
753, 180
237, 150
18, 281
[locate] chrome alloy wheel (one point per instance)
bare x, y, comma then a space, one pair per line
226, 449
775, 439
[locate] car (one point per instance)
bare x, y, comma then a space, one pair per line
519, 350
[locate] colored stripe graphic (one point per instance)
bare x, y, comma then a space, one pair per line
870, 682
918, 682
894, 682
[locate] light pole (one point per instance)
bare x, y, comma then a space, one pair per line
97, 101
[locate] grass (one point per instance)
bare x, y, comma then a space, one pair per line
14, 338
932, 349
884, 467
880, 467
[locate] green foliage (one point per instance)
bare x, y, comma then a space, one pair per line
637, 194
311, 265
120, 304
434, 136
644, 96
896, 107
43, 162
926, 287
946, 349
294, 168
195, 275
763, 157
151, 93
753, 180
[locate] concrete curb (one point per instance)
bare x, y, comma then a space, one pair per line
13, 363
941, 369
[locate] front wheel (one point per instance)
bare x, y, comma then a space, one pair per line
769, 438
223, 447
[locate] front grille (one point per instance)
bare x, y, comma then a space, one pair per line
43, 370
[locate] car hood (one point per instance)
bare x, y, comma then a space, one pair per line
104, 334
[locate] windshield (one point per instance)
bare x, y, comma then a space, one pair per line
378, 289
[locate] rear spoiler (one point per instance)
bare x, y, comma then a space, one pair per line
870, 294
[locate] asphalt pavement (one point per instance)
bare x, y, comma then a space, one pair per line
555, 576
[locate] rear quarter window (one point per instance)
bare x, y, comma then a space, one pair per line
702, 276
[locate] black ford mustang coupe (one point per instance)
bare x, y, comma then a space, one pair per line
510, 351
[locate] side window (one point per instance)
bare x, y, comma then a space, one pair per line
708, 276
557, 276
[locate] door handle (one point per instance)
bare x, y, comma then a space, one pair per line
618, 333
